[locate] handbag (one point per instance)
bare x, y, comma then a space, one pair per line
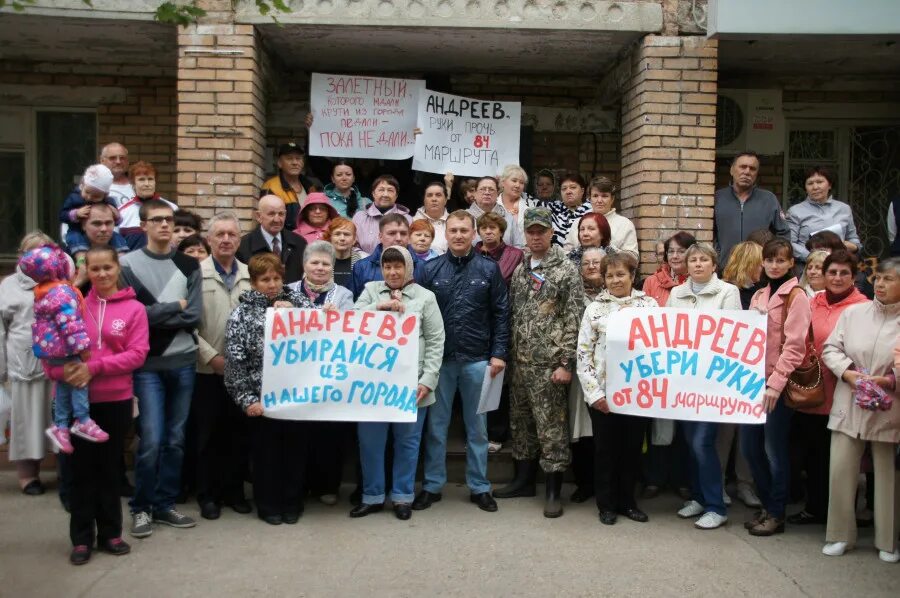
805, 388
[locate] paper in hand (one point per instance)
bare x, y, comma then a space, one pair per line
490, 391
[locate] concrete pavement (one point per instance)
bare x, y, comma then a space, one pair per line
452, 549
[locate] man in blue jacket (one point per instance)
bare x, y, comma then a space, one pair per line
472, 296
393, 231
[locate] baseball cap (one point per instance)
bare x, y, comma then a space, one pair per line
290, 148
539, 216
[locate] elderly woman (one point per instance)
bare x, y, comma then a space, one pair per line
767, 447
623, 237
342, 191
486, 192
860, 352
290, 184
704, 291
277, 446
326, 439
341, 233
571, 206
491, 228
618, 438
593, 233
820, 211
579, 418
434, 211
673, 271
545, 186
30, 390
117, 328
313, 219
421, 239
744, 269
400, 293
385, 190
813, 280
810, 436
513, 198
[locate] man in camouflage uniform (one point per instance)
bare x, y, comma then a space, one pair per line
546, 297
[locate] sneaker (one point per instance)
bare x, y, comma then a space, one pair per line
60, 439
726, 499
747, 496
494, 447
710, 520
173, 518
889, 557
116, 547
691, 509
80, 554
89, 430
141, 524
328, 499
835, 548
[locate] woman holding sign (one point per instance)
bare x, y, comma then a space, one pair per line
703, 290
862, 352
618, 438
399, 292
277, 446
766, 447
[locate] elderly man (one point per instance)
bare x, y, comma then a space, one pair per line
290, 184
220, 423
487, 190
393, 231
546, 301
115, 157
472, 296
270, 235
742, 208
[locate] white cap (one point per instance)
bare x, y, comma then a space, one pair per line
98, 177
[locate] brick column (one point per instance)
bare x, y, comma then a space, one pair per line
669, 140
221, 115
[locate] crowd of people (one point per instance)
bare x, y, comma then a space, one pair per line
154, 320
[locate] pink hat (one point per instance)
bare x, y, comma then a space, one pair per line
98, 177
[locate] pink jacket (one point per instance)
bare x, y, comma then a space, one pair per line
120, 340
780, 363
366, 221
824, 319
306, 230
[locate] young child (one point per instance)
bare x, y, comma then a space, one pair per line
59, 336
94, 187
195, 246
143, 179
421, 236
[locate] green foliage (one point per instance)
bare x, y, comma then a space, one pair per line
174, 12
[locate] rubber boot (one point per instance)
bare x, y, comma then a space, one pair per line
522, 483
553, 506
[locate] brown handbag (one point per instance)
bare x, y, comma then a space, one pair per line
805, 388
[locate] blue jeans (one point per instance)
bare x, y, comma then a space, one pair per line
706, 471
467, 377
68, 400
767, 450
372, 443
164, 400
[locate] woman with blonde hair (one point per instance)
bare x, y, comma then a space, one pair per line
744, 269
341, 233
29, 388
813, 278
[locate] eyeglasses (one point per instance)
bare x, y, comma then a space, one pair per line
161, 219
592, 263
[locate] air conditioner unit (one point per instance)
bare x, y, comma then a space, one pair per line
749, 120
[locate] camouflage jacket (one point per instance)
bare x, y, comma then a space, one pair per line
545, 316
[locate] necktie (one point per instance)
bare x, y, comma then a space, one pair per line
276, 246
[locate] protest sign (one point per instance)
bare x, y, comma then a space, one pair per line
340, 366
465, 136
687, 364
363, 117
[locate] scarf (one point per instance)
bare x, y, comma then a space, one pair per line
316, 292
833, 298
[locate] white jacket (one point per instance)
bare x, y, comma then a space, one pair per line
591, 350
17, 360
718, 294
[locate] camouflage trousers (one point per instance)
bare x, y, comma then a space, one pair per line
538, 417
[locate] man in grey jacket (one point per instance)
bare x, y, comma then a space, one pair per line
742, 207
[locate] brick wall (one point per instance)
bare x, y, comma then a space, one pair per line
668, 140
144, 122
